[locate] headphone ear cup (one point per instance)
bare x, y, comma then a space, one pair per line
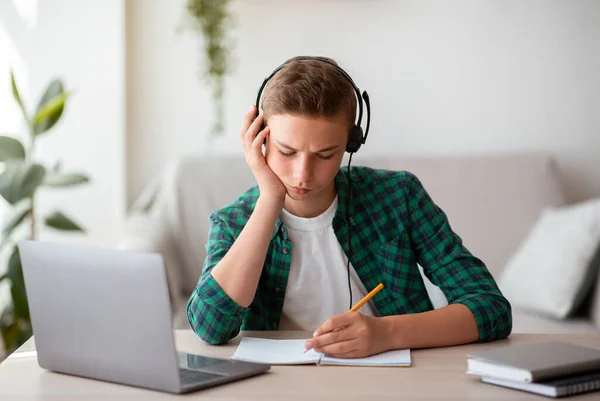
355, 139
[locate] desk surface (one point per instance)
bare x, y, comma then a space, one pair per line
435, 374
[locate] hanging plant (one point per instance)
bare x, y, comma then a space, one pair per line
211, 18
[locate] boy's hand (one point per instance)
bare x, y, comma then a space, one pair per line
269, 184
351, 335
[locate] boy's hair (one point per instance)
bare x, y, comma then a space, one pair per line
309, 87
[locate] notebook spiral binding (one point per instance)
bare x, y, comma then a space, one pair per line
578, 385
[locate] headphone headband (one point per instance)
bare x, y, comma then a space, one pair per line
356, 134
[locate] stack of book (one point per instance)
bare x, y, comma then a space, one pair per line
553, 369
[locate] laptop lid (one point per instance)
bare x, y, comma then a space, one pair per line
101, 313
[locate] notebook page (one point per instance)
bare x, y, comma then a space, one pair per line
390, 358
274, 352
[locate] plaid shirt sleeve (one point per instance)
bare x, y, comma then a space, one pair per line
448, 264
212, 314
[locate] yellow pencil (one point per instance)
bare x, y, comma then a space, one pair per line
366, 298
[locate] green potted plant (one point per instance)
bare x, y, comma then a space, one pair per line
21, 176
211, 18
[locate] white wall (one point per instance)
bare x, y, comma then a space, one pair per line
458, 77
83, 43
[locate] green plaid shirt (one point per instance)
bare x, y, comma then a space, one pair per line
395, 226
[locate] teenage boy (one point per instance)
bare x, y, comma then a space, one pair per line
290, 252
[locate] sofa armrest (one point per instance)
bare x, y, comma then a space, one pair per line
147, 229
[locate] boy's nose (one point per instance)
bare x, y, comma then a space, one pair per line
303, 170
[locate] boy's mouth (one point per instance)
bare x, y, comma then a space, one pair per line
300, 191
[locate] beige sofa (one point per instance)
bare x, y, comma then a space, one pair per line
491, 202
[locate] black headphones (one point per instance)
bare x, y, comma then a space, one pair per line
356, 137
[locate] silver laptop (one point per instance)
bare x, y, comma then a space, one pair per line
105, 314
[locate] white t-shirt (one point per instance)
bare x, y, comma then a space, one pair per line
317, 287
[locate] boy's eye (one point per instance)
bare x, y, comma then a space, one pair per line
290, 154
284, 154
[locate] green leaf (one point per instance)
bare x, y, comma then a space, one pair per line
14, 272
17, 290
53, 179
19, 297
9, 328
11, 148
22, 209
15, 331
50, 107
17, 96
59, 221
19, 180
6, 318
50, 113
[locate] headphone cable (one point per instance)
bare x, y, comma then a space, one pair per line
349, 227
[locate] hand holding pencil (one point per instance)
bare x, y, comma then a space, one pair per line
339, 336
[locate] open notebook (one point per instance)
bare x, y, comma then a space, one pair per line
291, 352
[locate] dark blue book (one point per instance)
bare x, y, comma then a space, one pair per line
556, 387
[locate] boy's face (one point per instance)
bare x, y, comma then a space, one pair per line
306, 153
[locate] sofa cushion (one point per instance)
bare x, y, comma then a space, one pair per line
195, 187
149, 228
553, 269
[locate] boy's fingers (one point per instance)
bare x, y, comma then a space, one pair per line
329, 338
258, 141
339, 349
334, 323
252, 131
255, 126
248, 118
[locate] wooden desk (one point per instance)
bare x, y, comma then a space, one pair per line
435, 374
